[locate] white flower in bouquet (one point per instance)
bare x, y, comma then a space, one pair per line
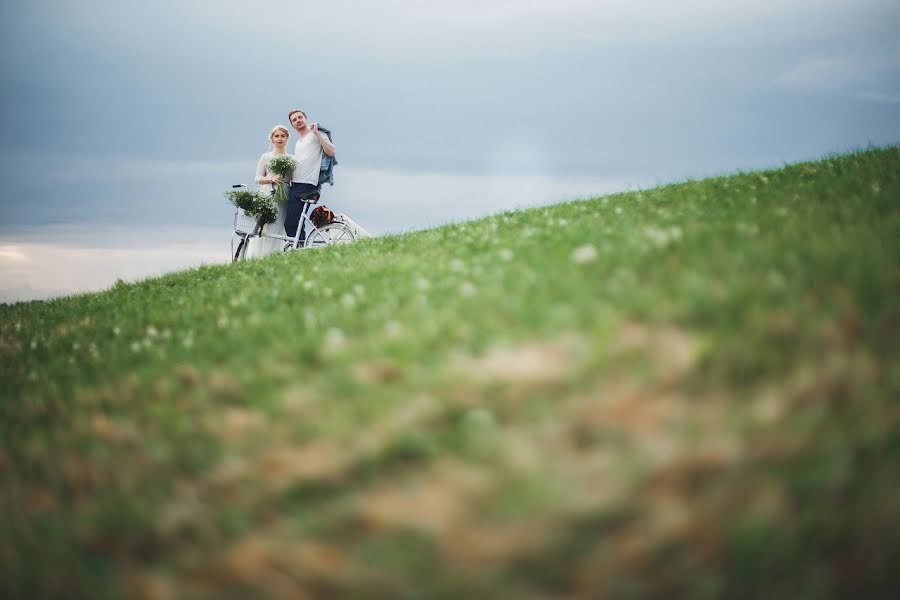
284, 166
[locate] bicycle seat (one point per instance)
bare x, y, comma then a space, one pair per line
310, 198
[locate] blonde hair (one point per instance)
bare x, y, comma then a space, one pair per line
276, 128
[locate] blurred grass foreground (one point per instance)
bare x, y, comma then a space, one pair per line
690, 390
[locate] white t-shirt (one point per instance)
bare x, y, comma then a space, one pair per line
308, 154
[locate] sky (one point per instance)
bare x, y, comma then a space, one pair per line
123, 122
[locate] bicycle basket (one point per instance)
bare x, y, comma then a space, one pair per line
244, 223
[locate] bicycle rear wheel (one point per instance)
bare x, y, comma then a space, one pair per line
335, 233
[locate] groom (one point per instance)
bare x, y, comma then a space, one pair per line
308, 151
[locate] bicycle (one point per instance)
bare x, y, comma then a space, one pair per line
246, 227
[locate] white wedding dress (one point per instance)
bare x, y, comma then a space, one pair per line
261, 246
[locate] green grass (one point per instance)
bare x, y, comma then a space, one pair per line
688, 390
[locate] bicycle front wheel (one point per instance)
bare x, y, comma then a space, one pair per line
241, 252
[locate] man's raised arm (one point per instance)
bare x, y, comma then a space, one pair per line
327, 147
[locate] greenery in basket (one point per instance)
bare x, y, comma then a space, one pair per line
259, 205
284, 166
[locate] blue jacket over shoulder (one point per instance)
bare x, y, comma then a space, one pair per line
326, 171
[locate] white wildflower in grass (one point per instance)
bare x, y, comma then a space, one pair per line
479, 418
748, 228
334, 340
618, 210
135, 346
584, 254
117, 331
875, 187
657, 236
359, 290
506, 254
152, 332
308, 285
467, 289
776, 280
393, 329
662, 237
457, 265
348, 301
422, 284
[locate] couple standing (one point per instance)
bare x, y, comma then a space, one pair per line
312, 146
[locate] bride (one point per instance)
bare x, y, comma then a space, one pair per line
260, 246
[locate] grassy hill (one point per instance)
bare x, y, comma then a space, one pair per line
689, 390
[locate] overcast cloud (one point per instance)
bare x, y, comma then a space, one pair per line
138, 115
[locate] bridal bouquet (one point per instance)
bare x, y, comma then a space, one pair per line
282, 165
256, 204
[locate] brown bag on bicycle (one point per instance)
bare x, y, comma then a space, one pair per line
321, 216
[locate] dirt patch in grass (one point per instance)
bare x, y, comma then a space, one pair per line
535, 363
